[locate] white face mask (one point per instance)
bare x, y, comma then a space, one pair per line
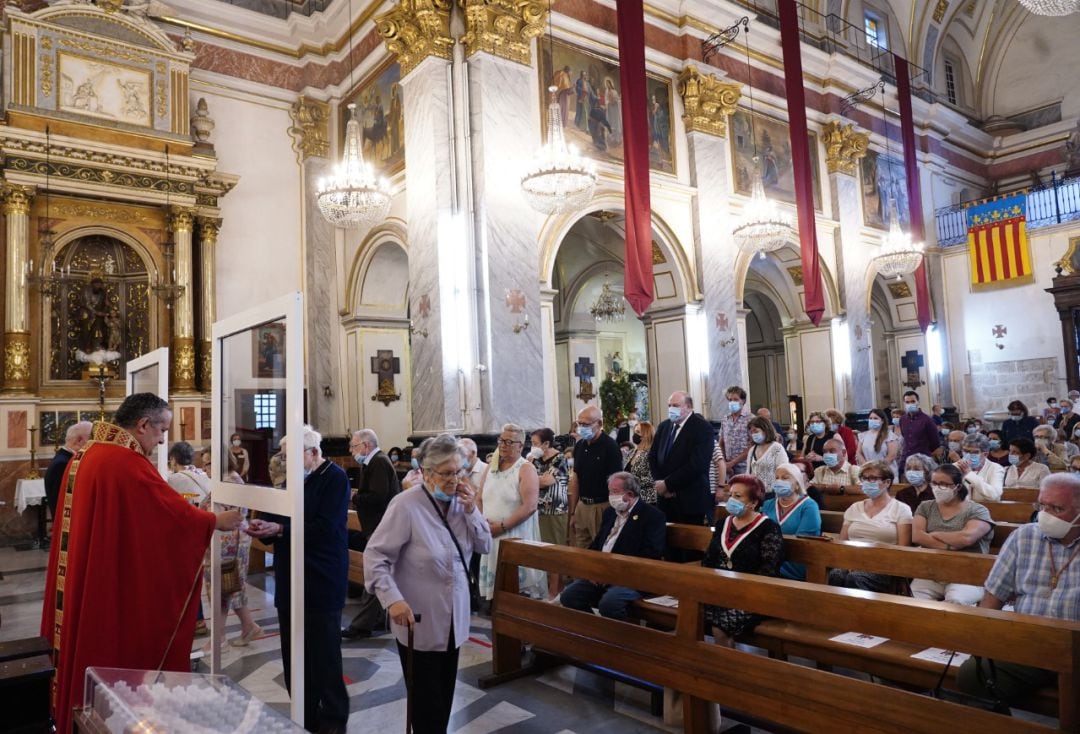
535, 453
618, 502
1055, 527
943, 494
236, 442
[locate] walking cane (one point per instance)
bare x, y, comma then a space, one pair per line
409, 678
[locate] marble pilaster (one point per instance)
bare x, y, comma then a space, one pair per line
16, 304
436, 245
504, 126
709, 172
853, 263
208, 234
182, 350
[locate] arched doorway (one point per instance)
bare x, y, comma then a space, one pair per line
377, 388
651, 352
894, 336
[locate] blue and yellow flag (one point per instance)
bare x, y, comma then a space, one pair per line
997, 241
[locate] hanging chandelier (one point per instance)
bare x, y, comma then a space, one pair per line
899, 256
609, 306
1051, 7
560, 178
764, 227
353, 196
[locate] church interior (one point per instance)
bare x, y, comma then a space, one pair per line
424, 216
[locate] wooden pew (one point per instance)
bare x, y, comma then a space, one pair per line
702, 672
1021, 494
1018, 512
356, 558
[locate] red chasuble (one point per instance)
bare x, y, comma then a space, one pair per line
124, 568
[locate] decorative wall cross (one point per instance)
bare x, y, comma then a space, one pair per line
999, 331
385, 365
911, 362
585, 370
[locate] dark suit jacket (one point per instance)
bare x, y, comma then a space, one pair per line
377, 486
644, 535
54, 475
685, 468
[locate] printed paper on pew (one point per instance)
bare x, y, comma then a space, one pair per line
937, 655
859, 639
664, 601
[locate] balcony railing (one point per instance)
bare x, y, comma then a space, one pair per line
1049, 204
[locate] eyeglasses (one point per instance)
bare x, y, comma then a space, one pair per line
583, 424
870, 478
508, 442
1052, 509
460, 473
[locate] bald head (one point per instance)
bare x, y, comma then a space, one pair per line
680, 405
764, 413
77, 436
590, 423
836, 446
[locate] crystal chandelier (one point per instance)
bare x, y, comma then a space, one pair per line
352, 196
899, 256
608, 306
1051, 7
764, 227
559, 179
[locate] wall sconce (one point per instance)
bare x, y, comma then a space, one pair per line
522, 326
418, 332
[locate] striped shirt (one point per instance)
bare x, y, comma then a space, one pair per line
1022, 573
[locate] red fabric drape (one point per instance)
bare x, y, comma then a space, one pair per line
638, 282
911, 171
813, 294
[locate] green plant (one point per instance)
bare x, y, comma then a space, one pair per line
616, 398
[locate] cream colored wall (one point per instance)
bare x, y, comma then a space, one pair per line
258, 255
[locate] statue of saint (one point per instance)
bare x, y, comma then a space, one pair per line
116, 330
95, 332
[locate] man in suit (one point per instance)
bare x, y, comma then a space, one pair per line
630, 528
378, 485
75, 438
679, 460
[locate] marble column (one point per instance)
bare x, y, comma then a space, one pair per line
16, 303
504, 122
182, 349
844, 146
551, 369
707, 102
208, 235
438, 282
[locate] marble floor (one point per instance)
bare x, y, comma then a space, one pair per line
565, 700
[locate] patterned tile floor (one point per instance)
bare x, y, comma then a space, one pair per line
564, 700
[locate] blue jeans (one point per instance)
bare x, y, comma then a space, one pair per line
613, 601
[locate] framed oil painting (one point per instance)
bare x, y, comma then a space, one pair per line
589, 94
382, 118
883, 183
774, 150
268, 350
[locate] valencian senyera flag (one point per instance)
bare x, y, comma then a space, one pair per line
997, 242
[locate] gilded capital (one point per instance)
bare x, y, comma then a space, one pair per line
707, 101
416, 29
17, 199
503, 28
844, 146
209, 228
182, 220
310, 130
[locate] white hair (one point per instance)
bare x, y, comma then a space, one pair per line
78, 430
469, 445
1063, 480
312, 439
796, 472
518, 431
367, 436
439, 449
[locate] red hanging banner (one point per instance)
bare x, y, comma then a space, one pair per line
638, 281
813, 294
914, 190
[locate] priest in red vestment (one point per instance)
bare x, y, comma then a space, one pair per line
126, 561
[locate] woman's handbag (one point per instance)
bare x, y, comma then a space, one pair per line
230, 577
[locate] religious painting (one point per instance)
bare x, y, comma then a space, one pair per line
268, 350
101, 89
884, 184
773, 149
589, 95
49, 434
382, 118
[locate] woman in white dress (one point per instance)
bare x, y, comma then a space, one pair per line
508, 500
877, 443
613, 105
766, 452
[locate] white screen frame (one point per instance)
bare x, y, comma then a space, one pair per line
158, 358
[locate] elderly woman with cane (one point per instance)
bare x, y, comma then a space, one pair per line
420, 549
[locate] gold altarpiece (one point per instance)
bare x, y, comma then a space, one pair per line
101, 178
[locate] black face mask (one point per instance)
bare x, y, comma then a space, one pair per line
636, 438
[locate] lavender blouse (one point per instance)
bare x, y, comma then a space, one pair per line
410, 556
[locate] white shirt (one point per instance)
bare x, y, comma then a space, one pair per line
882, 527
987, 484
616, 529
476, 473
190, 480
1029, 478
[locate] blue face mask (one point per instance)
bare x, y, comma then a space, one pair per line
1065, 409
757, 437
872, 489
359, 458
782, 488
874, 424
830, 460
1014, 459
735, 507
896, 421
915, 476
586, 432
674, 413
415, 464
817, 428
466, 465
307, 473
911, 407
394, 458
441, 495
1015, 417
995, 444
734, 406
974, 459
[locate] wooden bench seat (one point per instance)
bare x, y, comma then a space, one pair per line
1021, 494
1017, 512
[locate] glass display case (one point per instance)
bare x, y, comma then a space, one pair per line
119, 701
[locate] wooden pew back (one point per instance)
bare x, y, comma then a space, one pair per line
681, 660
1017, 512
